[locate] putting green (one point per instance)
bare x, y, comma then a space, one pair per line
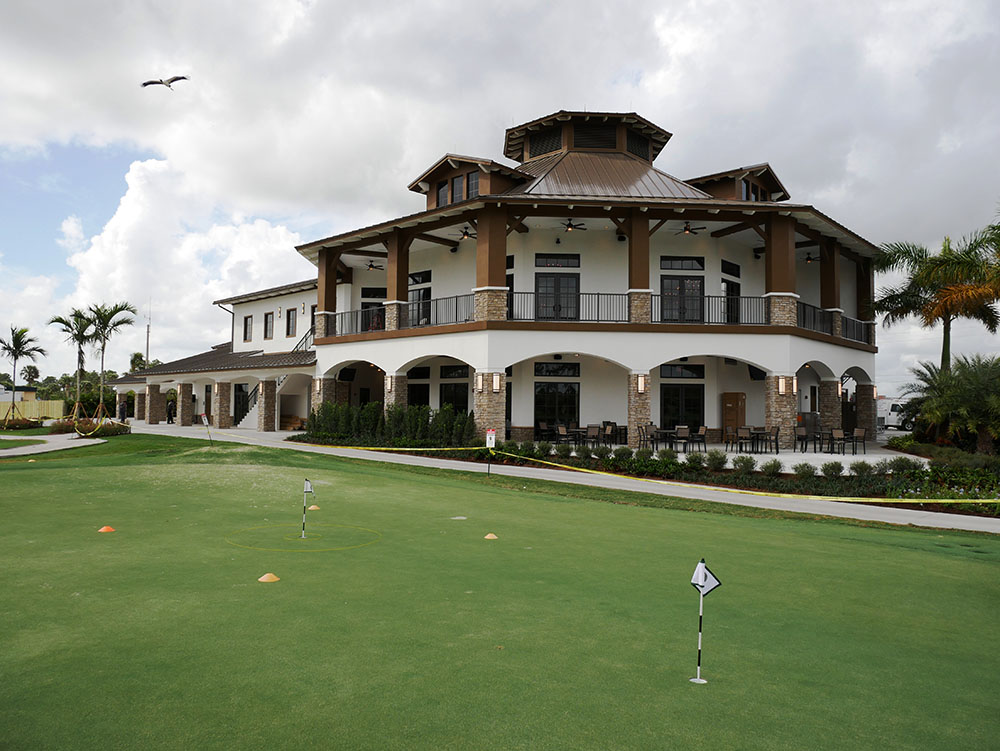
320, 538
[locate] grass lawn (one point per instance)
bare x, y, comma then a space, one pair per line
10, 443
395, 626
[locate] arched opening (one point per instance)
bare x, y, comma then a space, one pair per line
355, 382
437, 380
293, 401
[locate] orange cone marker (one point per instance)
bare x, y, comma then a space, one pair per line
268, 578
491, 536
106, 529
314, 507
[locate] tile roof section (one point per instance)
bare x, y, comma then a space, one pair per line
222, 357
586, 174
263, 294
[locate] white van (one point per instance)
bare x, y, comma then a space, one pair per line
890, 415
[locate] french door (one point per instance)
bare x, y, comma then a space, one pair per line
682, 404
557, 297
682, 299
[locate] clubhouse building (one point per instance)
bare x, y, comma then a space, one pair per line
575, 283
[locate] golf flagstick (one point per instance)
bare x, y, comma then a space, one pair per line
704, 581
307, 489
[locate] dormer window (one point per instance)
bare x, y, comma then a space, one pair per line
442, 193
457, 184
472, 184
636, 144
545, 141
595, 135
751, 191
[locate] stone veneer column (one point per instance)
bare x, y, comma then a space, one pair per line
490, 406
395, 391
490, 303
638, 407
185, 409
324, 390
831, 413
781, 409
325, 325
640, 305
156, 404
864, 401
140, 405
121, 397
838, 320
394, 315
222, 411
784, 309
266, 396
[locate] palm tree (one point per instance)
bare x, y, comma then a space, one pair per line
922, 293
970, 278
78, 329
109, 320
19, 347
30, 374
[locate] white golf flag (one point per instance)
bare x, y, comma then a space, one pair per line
704, 580
308, 488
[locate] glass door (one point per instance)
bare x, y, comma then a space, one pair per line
682, 299
682, 404
557, 297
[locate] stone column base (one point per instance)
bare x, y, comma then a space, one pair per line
638, 406
783, 310
831, 413
185, 409
640, 306
490, 406
865, 403
140, 405
395, 316
781, 409
490, 304
325, 325
396, 387
156, 405
222, 394
837, 319
266, 406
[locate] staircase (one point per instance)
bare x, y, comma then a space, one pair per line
250, 419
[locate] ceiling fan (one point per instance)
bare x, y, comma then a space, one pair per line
569, 226
465, 234
373, 267
689, 230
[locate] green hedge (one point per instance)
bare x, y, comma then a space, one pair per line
401, 427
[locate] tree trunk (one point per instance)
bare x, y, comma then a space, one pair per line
984, 442
946, 346
79, 367
101, 395
13, 390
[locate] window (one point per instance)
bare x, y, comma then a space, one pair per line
510, 262
682, 263
472, 185
557, 403
456, 188
418, 394
455, 394
290, 323
557, 369
732, 269
247, 328
312, 317
744, 190
420, 277
595, 135
545, 141
561, 260
418, 373
682, 371
454, 371
442, 193
373, 293
636, 144
269, 325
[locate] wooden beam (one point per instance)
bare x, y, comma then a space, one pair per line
366, 253
731, 230
435, 239
516, 224
652, 230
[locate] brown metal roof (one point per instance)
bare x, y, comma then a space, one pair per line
222, 357
514, 139
588, 174
485, 164
757, 170
285, 289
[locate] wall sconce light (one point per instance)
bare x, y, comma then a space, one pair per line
388, 384
479, 382
279, 311
795, 384
496, 383
874, 392
303, 308
840, 389
641, 384
781, 385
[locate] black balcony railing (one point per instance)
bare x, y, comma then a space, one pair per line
815, 319
721, 309
358, 321
438, 312
580, 306
858, 331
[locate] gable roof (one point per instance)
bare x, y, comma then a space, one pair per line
762, 170
597, 175
263, 294
222, 357
420, 185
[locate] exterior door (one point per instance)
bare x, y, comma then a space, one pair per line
557, 403
557, 297
734, 410
731, 290
682, 404
682, 299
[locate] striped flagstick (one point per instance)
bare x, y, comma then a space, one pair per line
307, 489
704, 581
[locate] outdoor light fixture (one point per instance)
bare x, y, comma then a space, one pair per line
303, 307
496, 383
795, 384
809, 258
840, 389
641, 383
781, 385
479, 382
279, 311
388, 384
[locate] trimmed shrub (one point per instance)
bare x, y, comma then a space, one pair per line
563, 450
831, 470
804, 471
882, 467
602, 452
744, 464
527, 449
643, 455
20, 423
902, 464
772, 468
695, 461
544, 449
862, 469
666, 455
623, 453
584, 452
716, 459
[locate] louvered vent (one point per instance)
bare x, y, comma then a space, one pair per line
594, 136
545, 141
636, 144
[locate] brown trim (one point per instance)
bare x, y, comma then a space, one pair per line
638, 250
642, 328
491, 248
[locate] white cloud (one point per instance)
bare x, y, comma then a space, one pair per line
72, 233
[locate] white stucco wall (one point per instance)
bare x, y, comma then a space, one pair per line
301, 301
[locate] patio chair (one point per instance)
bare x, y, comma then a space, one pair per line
801, 439
838, 441
859, 436
609, 434
683, 436
544, 431
771, 439
730, 437
700, 438
593, 435
643, 437
744, 440
563, 435
654, 439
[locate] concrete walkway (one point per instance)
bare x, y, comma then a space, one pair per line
56, 442
867, 512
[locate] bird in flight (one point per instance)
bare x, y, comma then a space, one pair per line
165, 81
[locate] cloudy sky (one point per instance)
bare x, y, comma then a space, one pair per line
305, 118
